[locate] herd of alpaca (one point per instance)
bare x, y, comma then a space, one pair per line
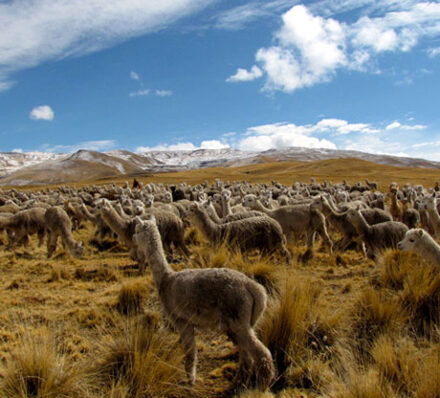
150, 221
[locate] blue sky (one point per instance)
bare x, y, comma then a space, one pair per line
252, 75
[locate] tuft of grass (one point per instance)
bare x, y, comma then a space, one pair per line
360, 384
421, 298
372, 314
131, 296
36, 369
141, 360
393, 267
298, 329
102, 274
397, 363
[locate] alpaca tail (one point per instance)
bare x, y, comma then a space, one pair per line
260, 299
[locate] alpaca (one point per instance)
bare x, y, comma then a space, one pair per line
294, 220
420, 241
24, 223
429, 204
396, 206
206, 298
58, 224
379, 236
262, 233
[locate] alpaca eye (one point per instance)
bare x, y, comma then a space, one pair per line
411, 240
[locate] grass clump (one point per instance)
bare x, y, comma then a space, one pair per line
36, 369
141, 360
298, 330
130, 297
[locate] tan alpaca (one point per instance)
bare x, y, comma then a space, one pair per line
396, 206
429, 204
262, 233
208, 298
421, 242
58, 224
24, 223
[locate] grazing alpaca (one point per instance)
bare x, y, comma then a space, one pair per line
213, 297
421, 242
24, 223
262, 233
58, 224
379, 236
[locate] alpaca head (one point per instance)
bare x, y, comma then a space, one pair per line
148, 200
226, 194
249, 200
429, 203
168, 197
411, 239
147, 236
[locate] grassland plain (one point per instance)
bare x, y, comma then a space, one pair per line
338, 326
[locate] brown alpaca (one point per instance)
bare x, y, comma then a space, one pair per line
24, 223
58, 224
208, 298
396, 206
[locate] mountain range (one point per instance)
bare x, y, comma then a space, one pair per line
34, 168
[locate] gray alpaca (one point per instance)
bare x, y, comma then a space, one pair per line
206, 298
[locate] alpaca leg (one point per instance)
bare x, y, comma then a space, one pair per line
263, 363
188, 342
326, 238
310, 239
51, 243
41, 235
245, 366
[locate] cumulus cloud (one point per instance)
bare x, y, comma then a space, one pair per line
42, 112
34, 31
242, 75
134, 75
281, 135
310, 48
342, 127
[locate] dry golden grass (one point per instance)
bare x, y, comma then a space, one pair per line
338, 326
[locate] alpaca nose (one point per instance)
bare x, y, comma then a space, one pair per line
399, 245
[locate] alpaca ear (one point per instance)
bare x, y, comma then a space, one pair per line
419, 233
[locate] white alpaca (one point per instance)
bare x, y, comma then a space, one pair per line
207, 298
421, 242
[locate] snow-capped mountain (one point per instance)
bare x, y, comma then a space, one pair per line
43, 168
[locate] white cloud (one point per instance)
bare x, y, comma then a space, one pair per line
35, 31
242, 75
310, 49
140, 93
398, 125
100, 145
17, 150
342, 127
42, 112
281, 135
183, 146
237, 17
164, 93
134, 75
213, 144
433, 52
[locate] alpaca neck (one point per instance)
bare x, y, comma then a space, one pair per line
431, 250
226, 207
89, 215
159, 265
213, 214
114, 220
433, 214
209, 227
67, 236
259, 206
361, 225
